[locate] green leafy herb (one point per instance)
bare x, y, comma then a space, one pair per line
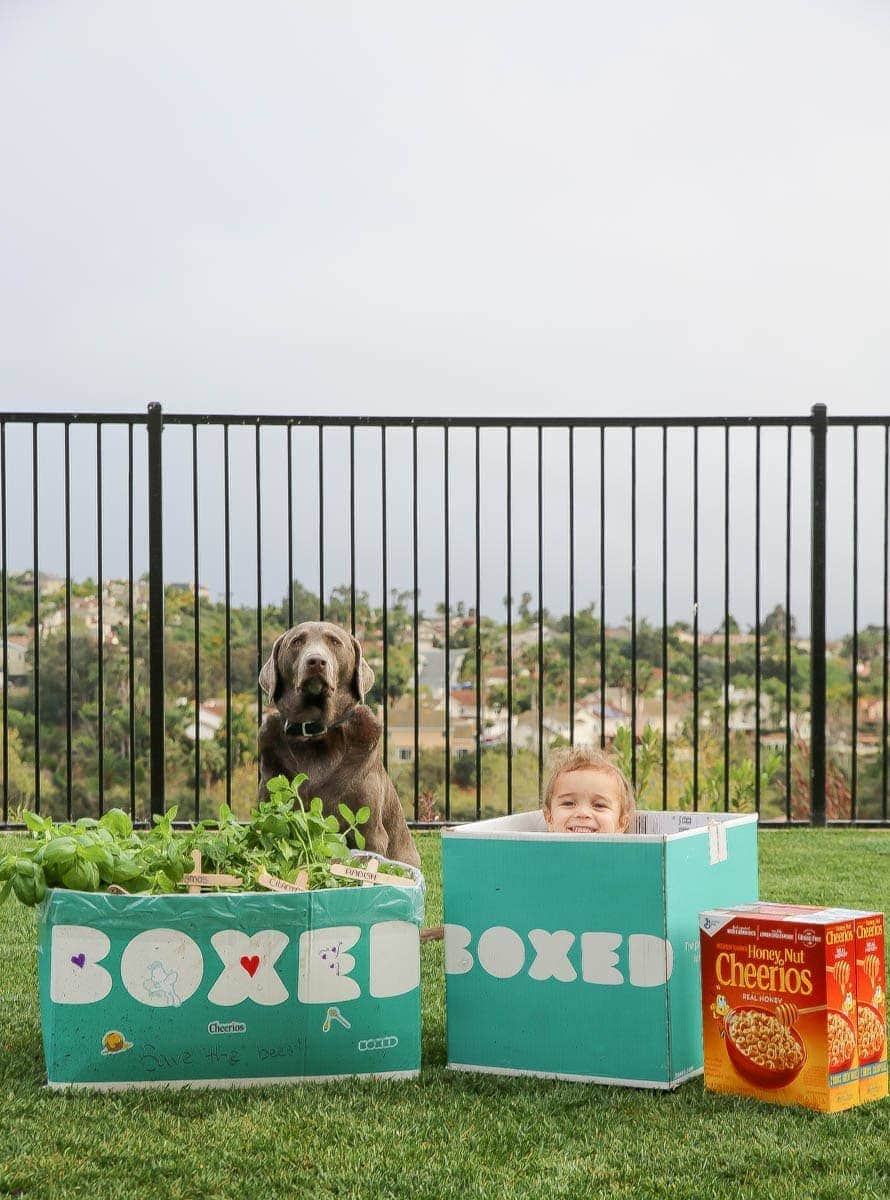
283, 838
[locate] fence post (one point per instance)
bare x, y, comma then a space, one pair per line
156, 698
819, 429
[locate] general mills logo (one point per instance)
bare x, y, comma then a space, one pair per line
381, 1043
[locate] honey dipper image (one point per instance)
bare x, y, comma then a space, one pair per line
788, 1013
872, 965
842, 972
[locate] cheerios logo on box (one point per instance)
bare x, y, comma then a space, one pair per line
839, 935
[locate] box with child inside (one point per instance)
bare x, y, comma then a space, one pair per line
576, 956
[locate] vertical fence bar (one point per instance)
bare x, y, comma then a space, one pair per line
819, 427
509, 619
602, 587
885, 648
131, 629
540, 680
290, 525
352, 528
101, 663
788, 741
447, 671
695, 618
197, 649
69, 757
259, 582
479, 682
726, 618
383, 551
664, 618
35, 601
572, 585
156, 605
416, 619
321, 547
757, 619
854, 772
633, 606
5, 631
228, 618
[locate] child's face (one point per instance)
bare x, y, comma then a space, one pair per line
586, 801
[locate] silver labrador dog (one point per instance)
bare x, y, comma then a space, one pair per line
317, 677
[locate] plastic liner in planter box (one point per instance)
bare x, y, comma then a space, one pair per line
578, 956
229, 989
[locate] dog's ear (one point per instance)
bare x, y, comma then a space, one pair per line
363, 676
269, 681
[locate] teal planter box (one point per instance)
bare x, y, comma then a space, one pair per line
578, 956
227, 989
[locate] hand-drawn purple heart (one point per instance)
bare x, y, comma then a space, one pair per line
79, 960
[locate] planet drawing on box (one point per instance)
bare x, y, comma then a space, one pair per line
114, 1042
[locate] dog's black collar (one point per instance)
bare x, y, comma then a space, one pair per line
314, 729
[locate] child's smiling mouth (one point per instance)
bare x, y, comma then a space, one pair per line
580, 829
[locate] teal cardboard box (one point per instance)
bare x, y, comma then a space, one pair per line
229, 989
577, 957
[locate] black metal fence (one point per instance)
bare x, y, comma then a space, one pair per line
673, 517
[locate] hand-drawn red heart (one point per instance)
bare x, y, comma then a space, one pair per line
251, 965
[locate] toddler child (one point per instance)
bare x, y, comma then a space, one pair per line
586, 793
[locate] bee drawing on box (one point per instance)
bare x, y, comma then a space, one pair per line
161, 985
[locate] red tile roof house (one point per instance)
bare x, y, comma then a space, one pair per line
211, 715
431, 731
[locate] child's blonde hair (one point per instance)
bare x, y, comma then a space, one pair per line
586, 758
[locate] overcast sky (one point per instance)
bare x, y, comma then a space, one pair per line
453, 209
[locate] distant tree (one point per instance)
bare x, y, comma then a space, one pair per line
339, 608
305, 605
775, 621
869, 644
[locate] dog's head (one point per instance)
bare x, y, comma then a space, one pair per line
316, 671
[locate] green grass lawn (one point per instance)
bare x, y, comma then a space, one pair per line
443, 1135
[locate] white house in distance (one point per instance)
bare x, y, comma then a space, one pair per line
210, 717
590, 723
13, 658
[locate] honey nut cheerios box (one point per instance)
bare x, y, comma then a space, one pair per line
793, 1004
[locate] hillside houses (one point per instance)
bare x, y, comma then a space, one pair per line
14, 659
430, 731
211, 717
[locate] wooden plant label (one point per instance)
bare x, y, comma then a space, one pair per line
274, 884
371, 877
372, 866
197, 879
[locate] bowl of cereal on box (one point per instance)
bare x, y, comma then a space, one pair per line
871, 1033
761, 1048
841, 1041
